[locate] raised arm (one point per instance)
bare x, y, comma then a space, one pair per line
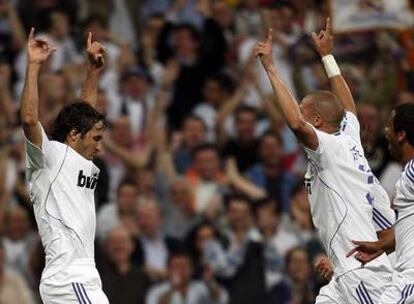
96, 59
324, 45
283, 98
38, 51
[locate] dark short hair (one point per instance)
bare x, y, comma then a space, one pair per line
181, 252
91, 19
204, 147
224, 81
404, 121
235, 197
79, 116
271, 133
191, 29
245, 109
195, 118
267, 202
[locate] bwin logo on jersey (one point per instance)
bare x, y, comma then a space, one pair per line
87, 181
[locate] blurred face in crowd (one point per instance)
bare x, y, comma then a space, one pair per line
99, 31
135, 86
194, 132
300, 200
54, 87
154, 26
186, 45
127, 198
207, 164
60, 25
275, 19
146, 182
18, 223
181, 195
271, 150
239, 215
245, 126
119, 245
222, 14
149, 219
298, 266
180, 270
267, 219
204, 234
214, 93
121, 132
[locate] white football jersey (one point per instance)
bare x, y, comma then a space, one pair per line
347, 203
404, 225
61, 184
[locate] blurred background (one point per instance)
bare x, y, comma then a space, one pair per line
201, 182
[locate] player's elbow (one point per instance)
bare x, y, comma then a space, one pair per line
297, 124
28, 119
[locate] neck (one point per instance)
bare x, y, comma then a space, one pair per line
407, 154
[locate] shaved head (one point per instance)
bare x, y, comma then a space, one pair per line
322, 109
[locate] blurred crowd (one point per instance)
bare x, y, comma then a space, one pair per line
200, 197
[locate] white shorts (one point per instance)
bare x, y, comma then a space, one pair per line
88, 293
400, 290
361, 286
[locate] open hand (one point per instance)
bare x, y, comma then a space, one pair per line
365, 251
264, 50
38, 50
95, 51
324, 40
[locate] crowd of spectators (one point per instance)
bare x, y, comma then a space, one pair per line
200, 197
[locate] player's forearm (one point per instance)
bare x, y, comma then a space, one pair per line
29, 101
90, 86
386, 240
285, 101
338, 84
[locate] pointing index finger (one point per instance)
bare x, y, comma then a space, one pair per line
270, 36
89, 41
328, 26
31, 34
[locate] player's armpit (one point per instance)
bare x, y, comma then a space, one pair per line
306, 134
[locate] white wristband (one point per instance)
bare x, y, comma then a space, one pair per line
330, 65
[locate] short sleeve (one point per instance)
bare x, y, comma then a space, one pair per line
319, 156
350, 126
36, 157
383, 216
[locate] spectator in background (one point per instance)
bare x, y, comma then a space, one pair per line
152, 246
277, 240
193, 133
269, 173
197, 239
180, 216
122, 210
244, 147
123, 282
181, 289
198, 53
241, 262
18, 240
298, 287
248, 19
12, 35
217, 90
13, 288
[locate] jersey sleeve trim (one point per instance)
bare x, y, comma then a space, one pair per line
380, 219
409, 171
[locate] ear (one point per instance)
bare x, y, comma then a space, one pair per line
317, 121
73, 136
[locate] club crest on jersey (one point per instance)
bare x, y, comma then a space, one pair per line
87, 181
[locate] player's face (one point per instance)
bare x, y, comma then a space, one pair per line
90, 144
393, 144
